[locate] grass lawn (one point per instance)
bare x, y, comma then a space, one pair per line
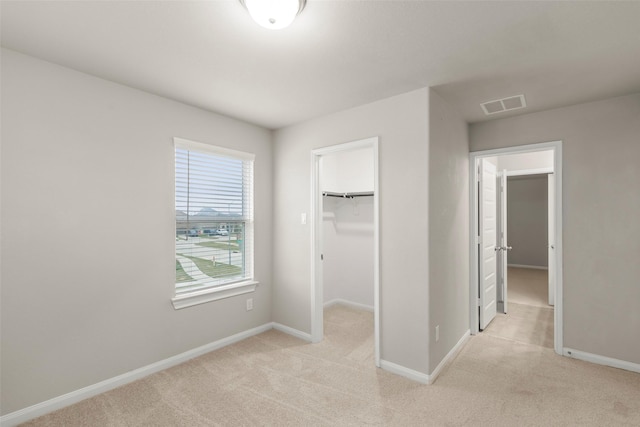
181, 275
216, 271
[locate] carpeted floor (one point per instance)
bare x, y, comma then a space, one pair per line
276, 380
524, 323
529, 317
528, 286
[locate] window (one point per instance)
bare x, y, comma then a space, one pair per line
214, 223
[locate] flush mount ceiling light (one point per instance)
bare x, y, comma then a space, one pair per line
274, 14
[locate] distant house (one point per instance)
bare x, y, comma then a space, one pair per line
206, 221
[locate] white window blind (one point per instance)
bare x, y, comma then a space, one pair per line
214, 216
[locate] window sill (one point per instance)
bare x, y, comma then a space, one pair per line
213, 294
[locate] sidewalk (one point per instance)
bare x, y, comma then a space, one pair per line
192, 270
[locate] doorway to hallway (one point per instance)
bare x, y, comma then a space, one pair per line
514, 299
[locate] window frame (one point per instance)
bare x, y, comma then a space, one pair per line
236, 287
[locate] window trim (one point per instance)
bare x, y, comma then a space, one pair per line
202, 296
227, 290
213, 149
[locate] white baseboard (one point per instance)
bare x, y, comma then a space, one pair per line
404, 372
293, 332
419, 376
601, 360
450, 356
39, 409
535, 267
348, 304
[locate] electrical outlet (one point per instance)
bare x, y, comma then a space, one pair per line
249, 304
437, 333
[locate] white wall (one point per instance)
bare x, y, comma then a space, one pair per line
348, 250
401, 123
448, 228
527, 220
601, 206
526, 161
348, 171
88, 230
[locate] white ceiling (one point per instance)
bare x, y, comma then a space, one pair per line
340, 54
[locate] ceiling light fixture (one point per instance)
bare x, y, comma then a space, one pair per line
274, 14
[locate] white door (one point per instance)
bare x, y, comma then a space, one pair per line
488, 249
503, 252
551, 185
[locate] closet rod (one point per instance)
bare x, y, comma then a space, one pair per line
347, 195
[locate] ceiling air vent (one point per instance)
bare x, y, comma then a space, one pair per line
504, 104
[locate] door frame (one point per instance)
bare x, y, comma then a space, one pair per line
503, 241
474, 156
317, 300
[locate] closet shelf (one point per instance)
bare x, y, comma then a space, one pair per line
347, 195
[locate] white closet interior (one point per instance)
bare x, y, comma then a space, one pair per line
347, 183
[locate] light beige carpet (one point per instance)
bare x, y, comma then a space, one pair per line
528, 286
524, 323
276, 380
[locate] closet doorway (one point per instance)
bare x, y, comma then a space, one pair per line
345, 186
